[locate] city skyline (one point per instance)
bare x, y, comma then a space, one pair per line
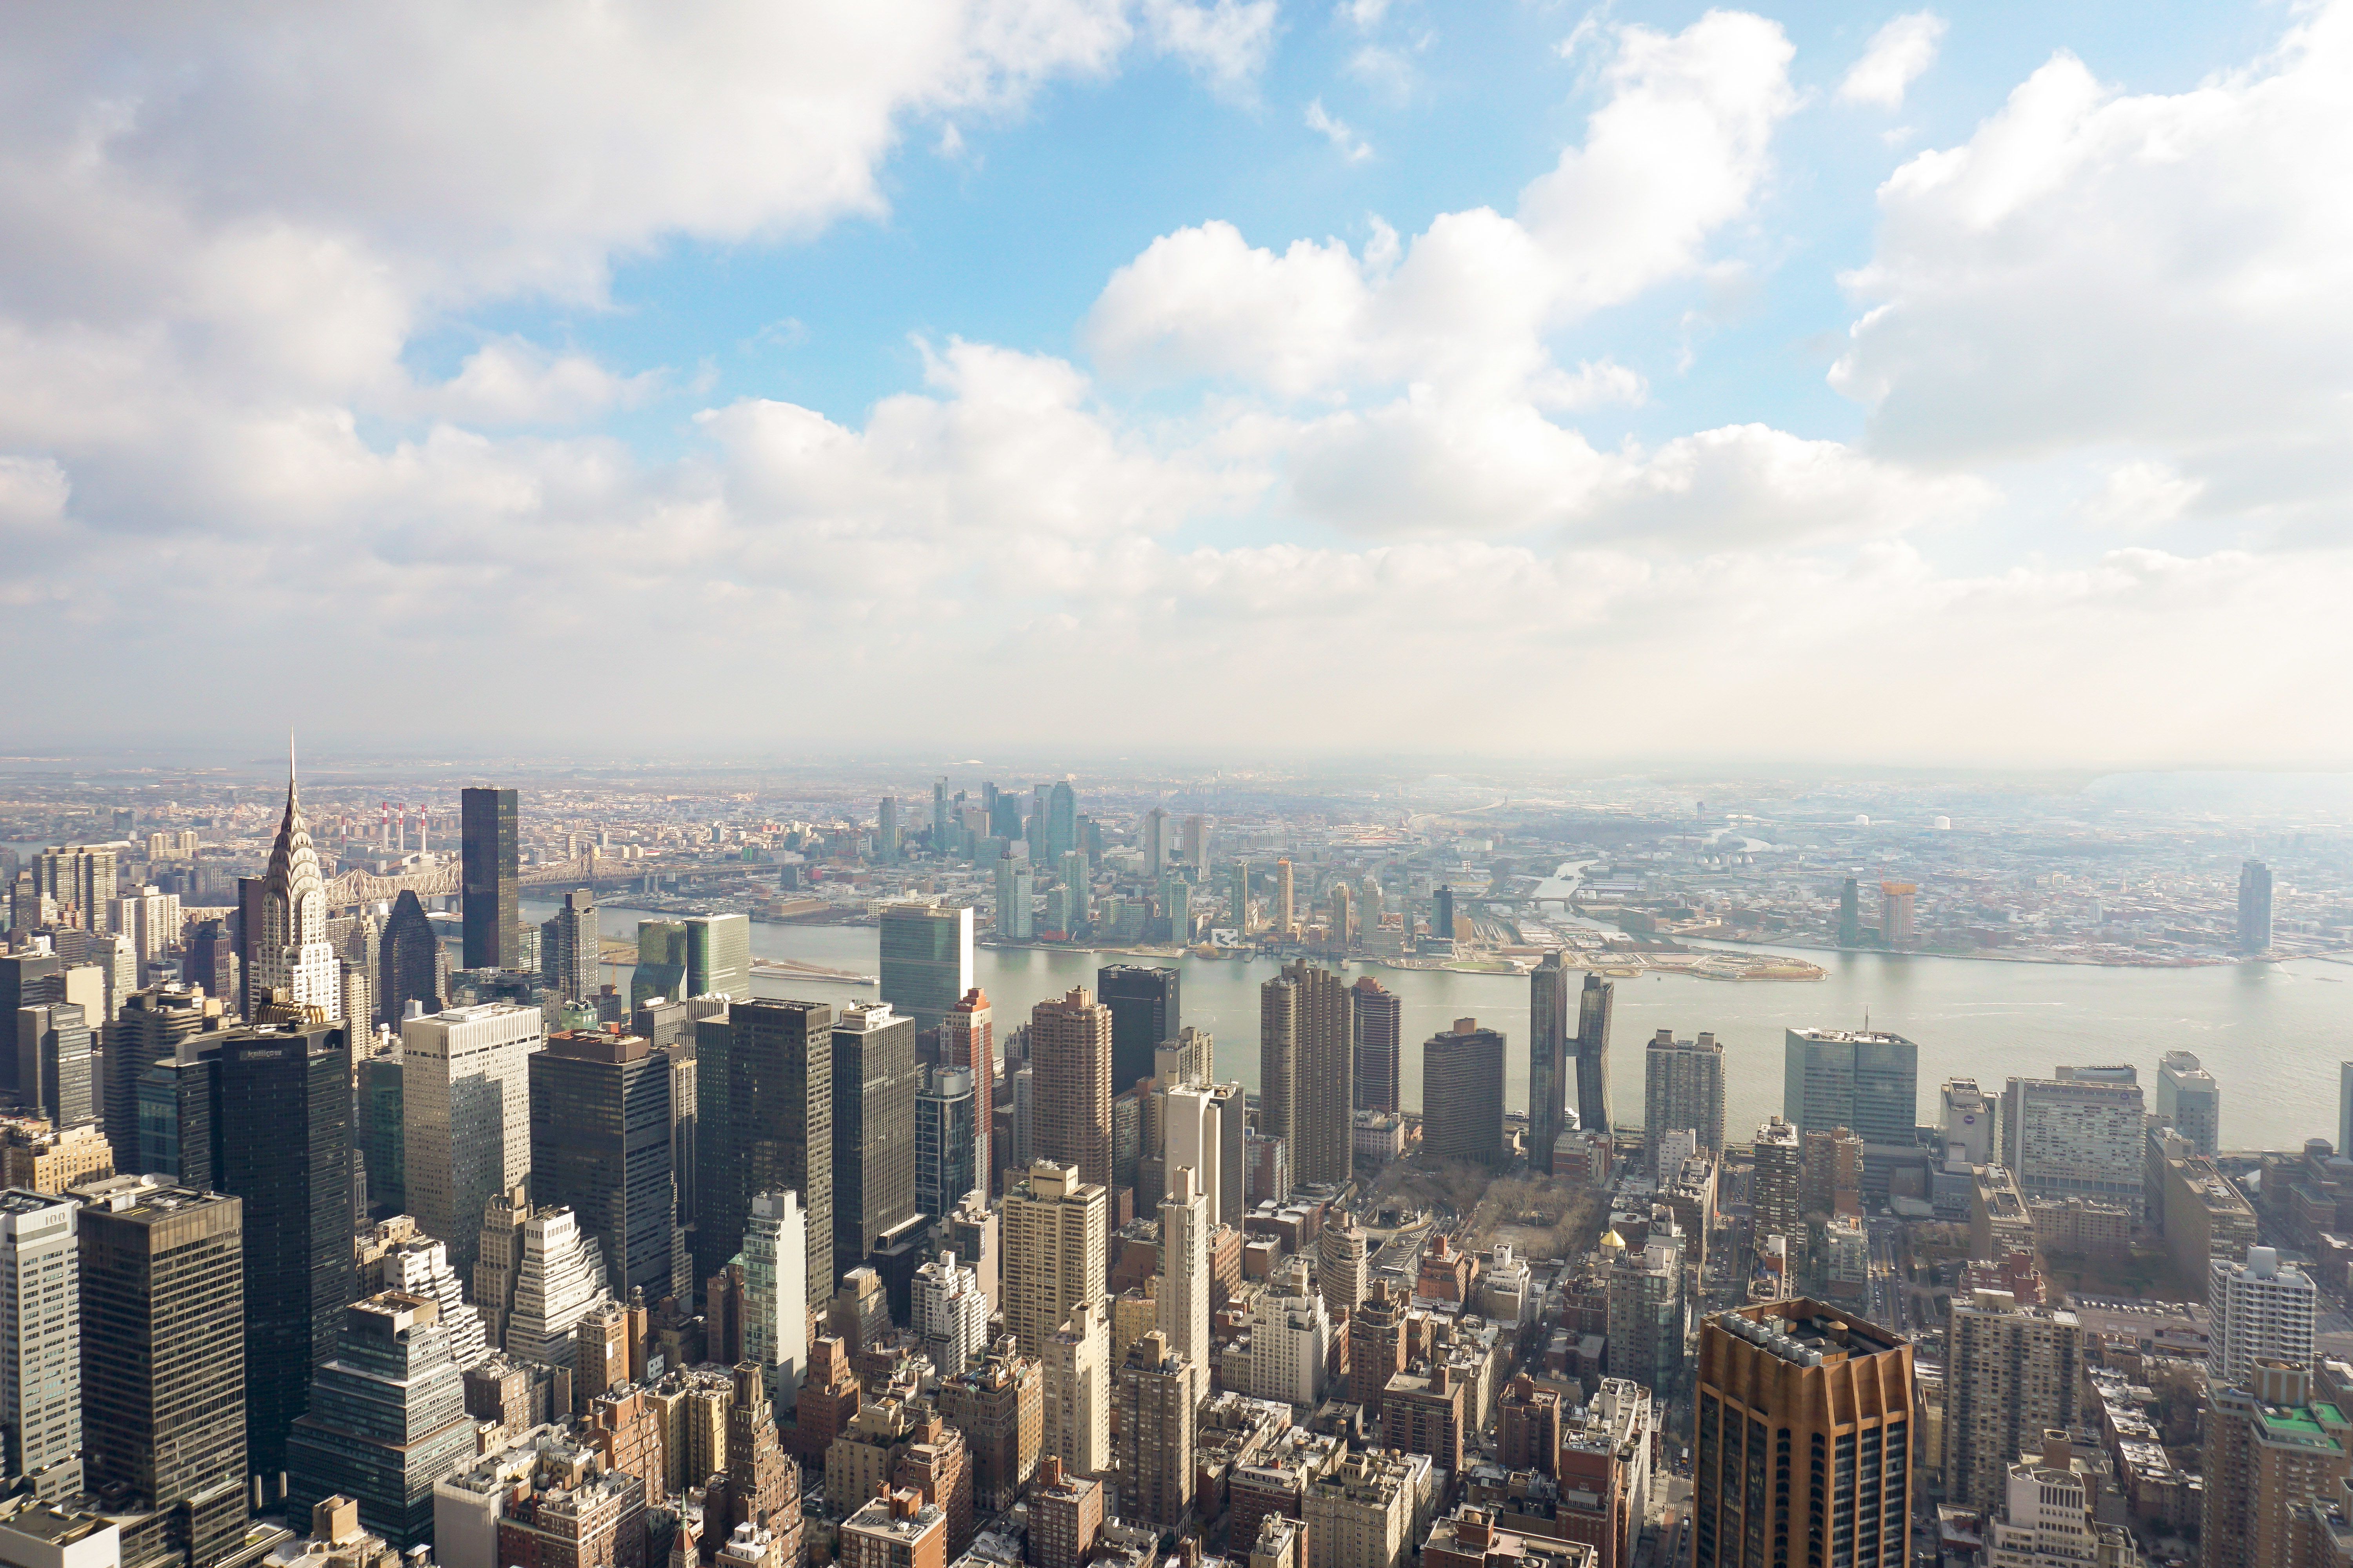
1686, 354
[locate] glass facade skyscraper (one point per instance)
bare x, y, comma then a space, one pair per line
490, 850
718, 956
1146, 1006
926, 959
763, 1123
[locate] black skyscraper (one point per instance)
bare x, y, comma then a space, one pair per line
147, 1029
1850, 931
875, 1081
1442, 914
1548, 1059
764, 1123
27, 980
1144, 1009
163, 1368
282, 1114
600, 1144
409, 962
491, 849
1593, 1054
54, 1063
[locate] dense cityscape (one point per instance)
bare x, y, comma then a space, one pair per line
353, 1214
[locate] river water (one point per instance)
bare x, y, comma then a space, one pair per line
2272, 1034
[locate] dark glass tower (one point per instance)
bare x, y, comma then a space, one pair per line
491, 849
163, 1360
1145, 1005
1850, 931
54, 1063
600, 1144
388, 1419
148, 1029
383, 1135
764, 1081
1548, 1059
27, 980
874, 1083
408, 962
1593, 1054
283, 1116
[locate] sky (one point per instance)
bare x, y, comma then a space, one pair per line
1820, 384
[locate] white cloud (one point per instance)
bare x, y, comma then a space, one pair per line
1898, 56
2141, 496
2165, 273
1351, 146
1226, 41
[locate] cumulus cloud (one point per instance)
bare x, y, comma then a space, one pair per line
1898, 56
1226, 41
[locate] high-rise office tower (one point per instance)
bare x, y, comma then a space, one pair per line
886, 830
1379, 1024
27, 980
1838, 1486
601, 1146
1191, 1134
1850, 921
1286, 902
1343, 917
1056, 1235
1146, 1006
1079, 1373
1232, 1191
388, 1419
718, 957
764, 1078
1462, 1094
1549, 1044
776, 1290
2014, 1373
1278, 1058
1016, 894
926, 959
1593, 1007
1777, 1190
41, 1342
54, 1063
968, 1040
466, 1093
1061, 821
1070, 1051
1157, 1393
1441, 912
1184, 1225
80, 879
283, 1119
1193, 844
1683, 1092
489, 856
1319, 1014
570, 948
1155, 841
293, 955
555, 1278
945, 1141
380, 1138
1966, 1118
2188, 1101
1237, 898
410, 966
2075, 1135
2256, 1310
209, 961
1866, 1081
2255, 907
2273, 1443
875, 1081
421, 1267
661, 963
940, 845
163, 1390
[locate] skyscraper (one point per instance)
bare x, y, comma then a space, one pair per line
293, 955
387, 1420
1441, 912
162, 1323
2258, 1310
1868, 1081
54, 1063
1070, 1052
1157, 1393
1842, 1388
946, 1143
1061, 821
1850, 921
1237, 898
1379, 1025
571, 947
1079, 1374
283, 1116
466, 1093
409, 962
886, 830
718, 957
601, 1145
1056, 1237
2272, 1443
776, 1290
764, 1124
80, 878
1184, 1225
2081, 1134
661, 963
1593, 1007
1318, 1117
1683, 1092
1462, 1094
926, 959
1146, 1007
1286, 903
2014, 1372
1897, 925
2254, 907
2188, 1101
968, 1040
1016, 910
1549, 1045
40, 1341
875, 1082
489, 852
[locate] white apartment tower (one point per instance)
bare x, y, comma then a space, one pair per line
951, 1315
466, 1087
2258, 1309
1290, 1341
561, 1281
776, 1290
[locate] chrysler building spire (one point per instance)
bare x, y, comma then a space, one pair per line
294, 955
